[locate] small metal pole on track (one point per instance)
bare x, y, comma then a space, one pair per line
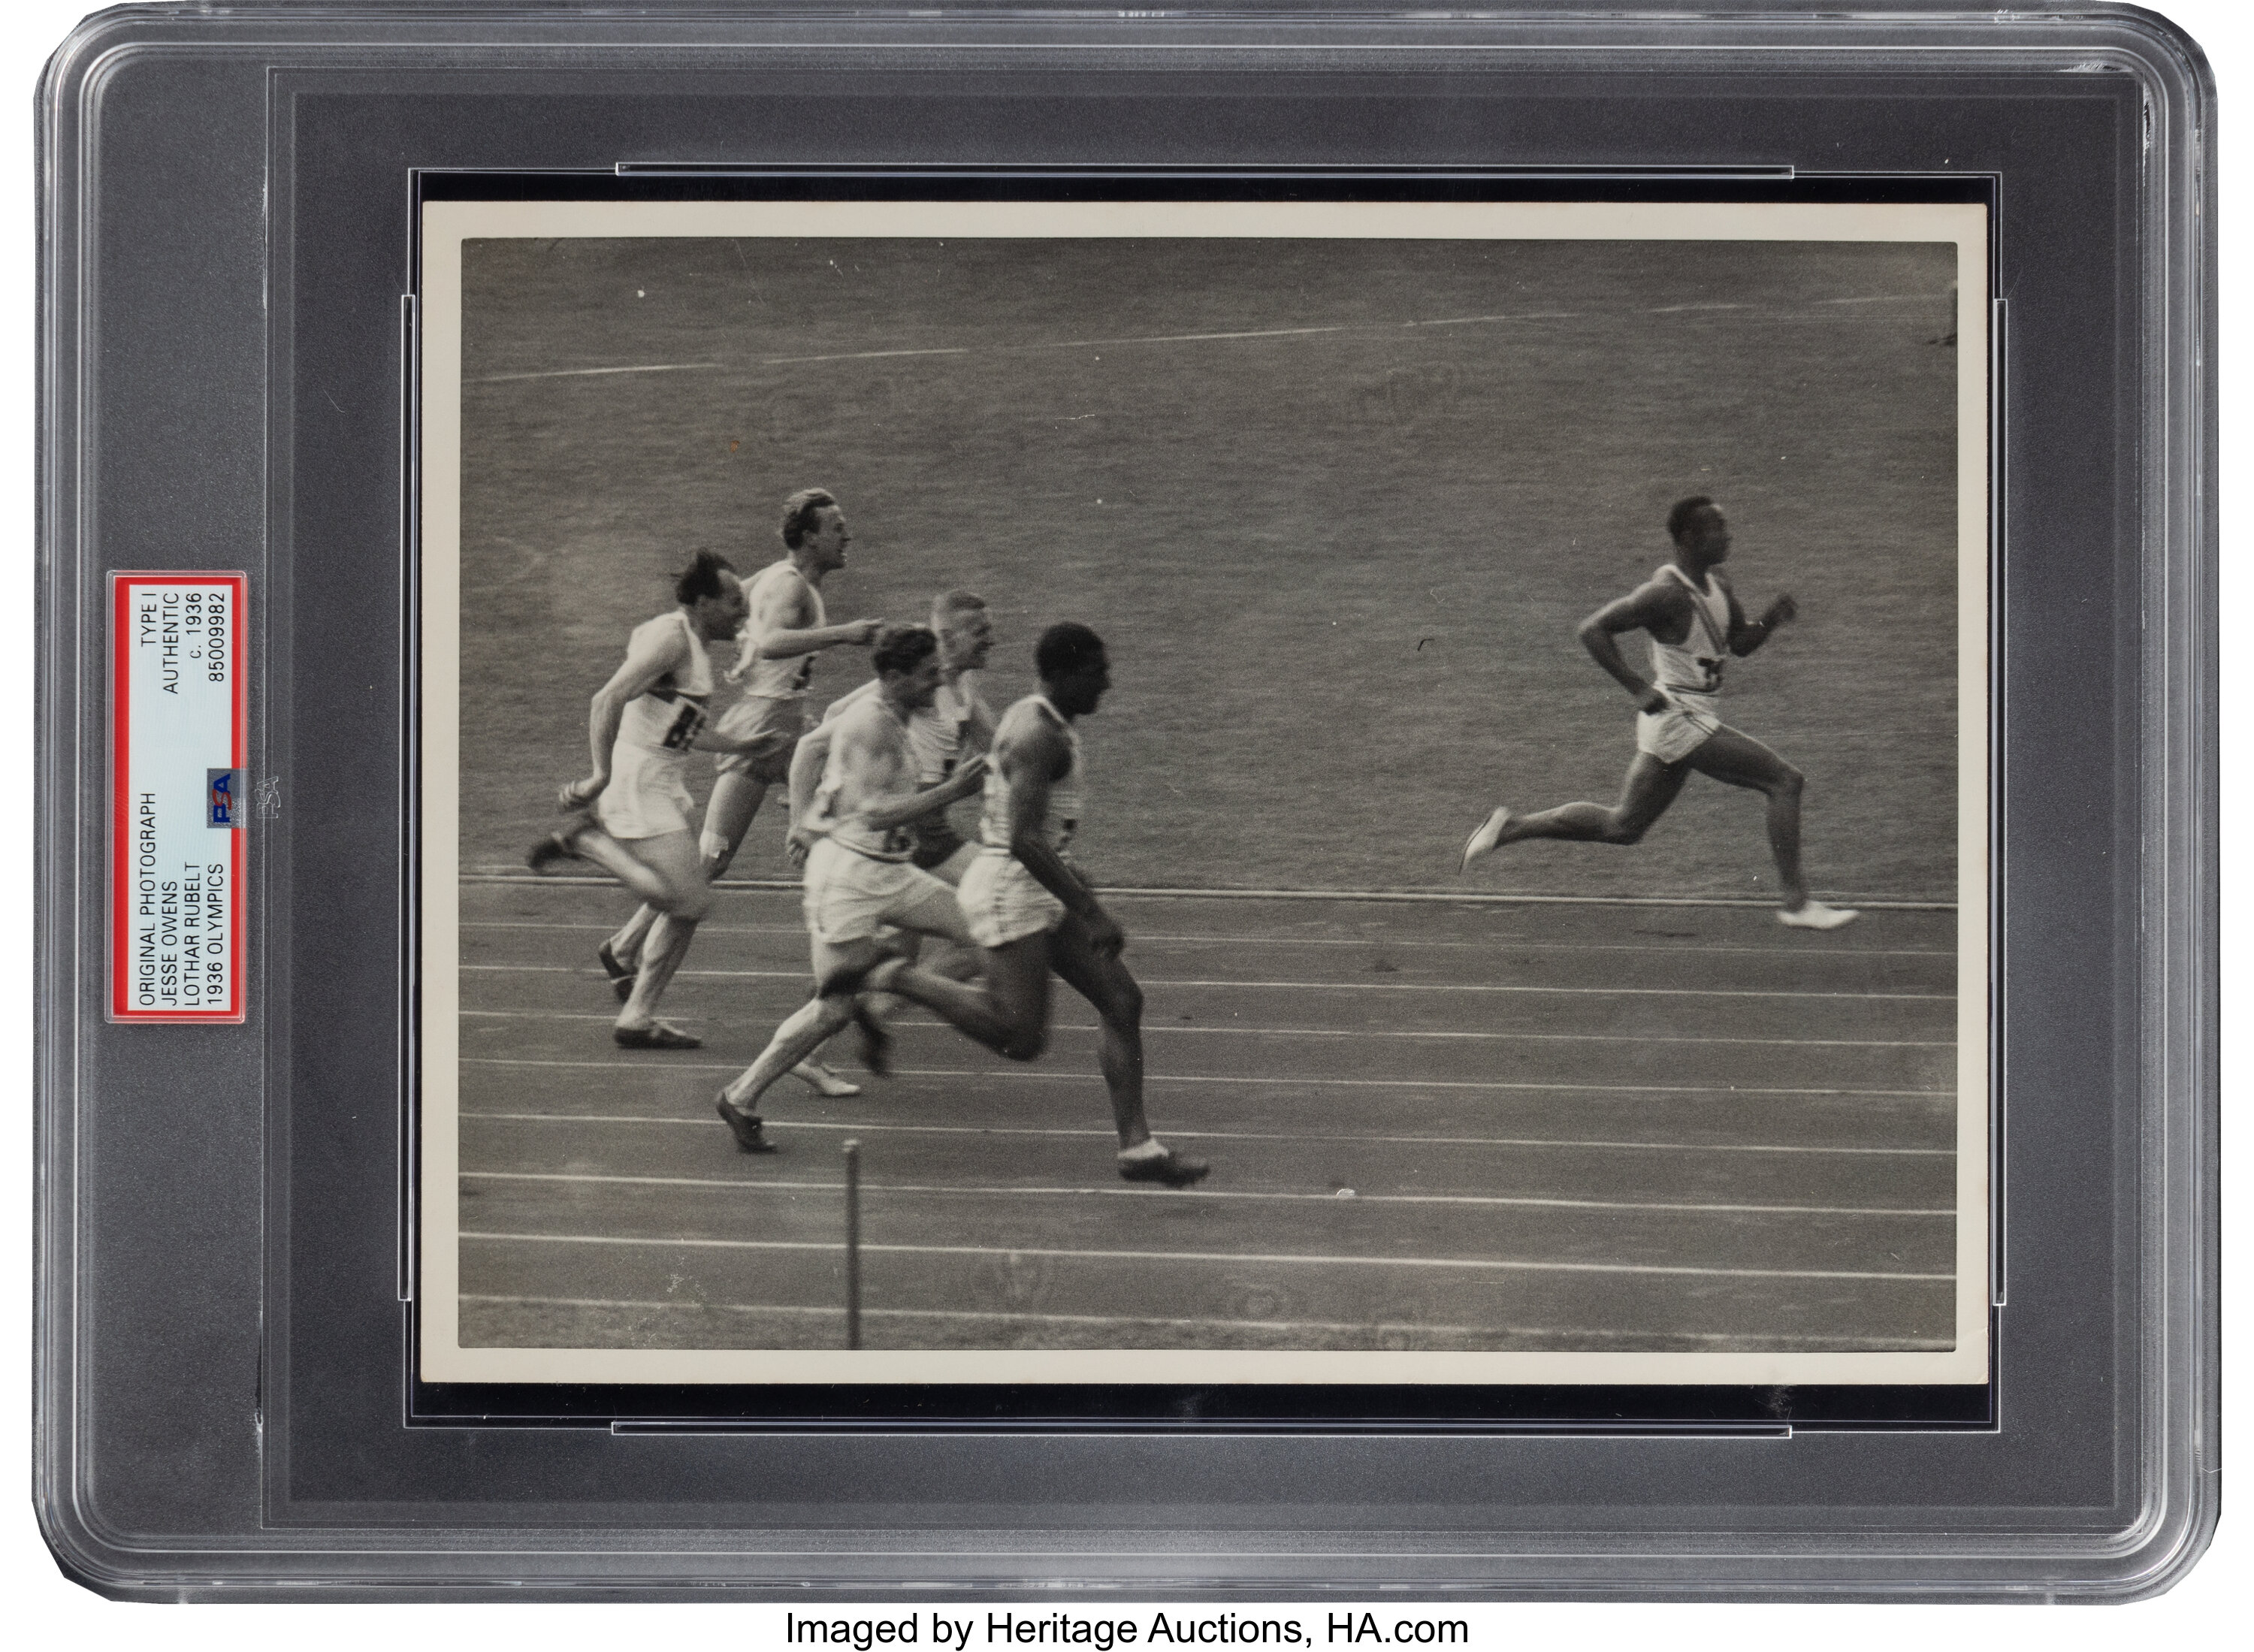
852, 1244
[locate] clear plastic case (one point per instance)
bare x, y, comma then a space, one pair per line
236, 343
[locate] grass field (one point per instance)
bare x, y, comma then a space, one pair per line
1339, 563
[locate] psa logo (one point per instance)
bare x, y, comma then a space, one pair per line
223, 793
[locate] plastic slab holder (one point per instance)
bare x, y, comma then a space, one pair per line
1574, 1227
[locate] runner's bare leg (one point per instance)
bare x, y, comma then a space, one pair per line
673, 856
1651, 785
1739, 759
807, 1029
1009, 1014
813, 1024
626, 945
593, 843
1118, 1000
728, 816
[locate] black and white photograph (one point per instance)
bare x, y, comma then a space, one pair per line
1203, 791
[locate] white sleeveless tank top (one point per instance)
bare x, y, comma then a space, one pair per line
895, 842
1694, 665
669, 714
786, 678
1062, 818
935, 732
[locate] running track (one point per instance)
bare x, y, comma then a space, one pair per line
1433, 1125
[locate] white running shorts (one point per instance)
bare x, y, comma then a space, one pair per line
1672, 734
849, 897
1003, 902
647, 797
762, 717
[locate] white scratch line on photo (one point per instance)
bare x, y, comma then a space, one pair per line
1233, 1258
597, 373
858, 355
1150, 1027
1347, 1083
1474, 321
1061, 344
1159, 338
1333, 1198
706, 1124
1379, 1329
1313, 986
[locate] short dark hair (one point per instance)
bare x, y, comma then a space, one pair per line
1678, 520
802, 514
903, 648
701, 577
1067, 648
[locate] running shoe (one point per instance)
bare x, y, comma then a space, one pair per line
658, 1035
823, 1081
1169, 1169
557, 846
1482, 842
1814, 914
748, 1128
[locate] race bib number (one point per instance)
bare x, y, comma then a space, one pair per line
688, 723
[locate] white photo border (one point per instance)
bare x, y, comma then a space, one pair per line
447, 224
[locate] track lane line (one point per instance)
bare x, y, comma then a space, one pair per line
496, 873
904, 1023
706, 1124
1383, 1327
1197, 1078
1238, 1258
1479, 1200
1310, 986
1695, 948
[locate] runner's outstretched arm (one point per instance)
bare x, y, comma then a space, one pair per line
958, 786
774, 634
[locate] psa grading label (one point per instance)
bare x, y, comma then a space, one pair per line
177, 707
